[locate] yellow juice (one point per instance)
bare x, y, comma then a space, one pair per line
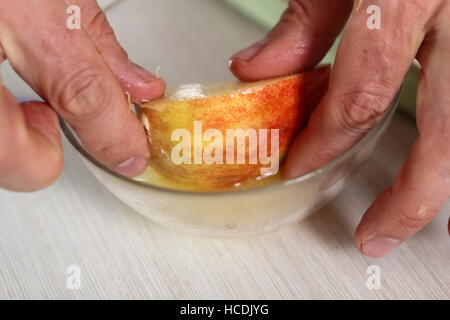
154, 178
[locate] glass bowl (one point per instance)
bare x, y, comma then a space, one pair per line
237, 212
228, 213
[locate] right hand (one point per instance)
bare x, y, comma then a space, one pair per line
369, 69
81, 75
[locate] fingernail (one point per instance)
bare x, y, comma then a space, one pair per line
132, 167
143, 74
250, 52
379, 247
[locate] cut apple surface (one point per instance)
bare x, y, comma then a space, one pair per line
216, 136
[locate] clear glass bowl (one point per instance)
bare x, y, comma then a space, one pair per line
230, 213
235, 212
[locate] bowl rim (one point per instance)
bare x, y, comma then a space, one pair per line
72, 138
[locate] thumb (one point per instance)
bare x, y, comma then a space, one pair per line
305, 32
135, 80
31, 155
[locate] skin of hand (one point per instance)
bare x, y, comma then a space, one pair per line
368, 71
81, 75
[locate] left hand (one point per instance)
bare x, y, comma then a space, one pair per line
81, 74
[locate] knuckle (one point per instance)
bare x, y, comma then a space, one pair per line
297, 13
99, 26
111, 150
80, 92
361, 110
101, 32
98, 20
298, 9
323, 157
317, 16
414, 220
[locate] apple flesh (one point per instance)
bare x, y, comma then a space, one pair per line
280, 105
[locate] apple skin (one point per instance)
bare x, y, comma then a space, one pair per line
283, 103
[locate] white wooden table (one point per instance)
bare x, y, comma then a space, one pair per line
123, 255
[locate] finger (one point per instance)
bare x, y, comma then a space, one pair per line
64, 67
369, 68
448, 226
305, 32
423, 183
138, 82
31, 154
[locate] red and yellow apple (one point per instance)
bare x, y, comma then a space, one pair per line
191, 128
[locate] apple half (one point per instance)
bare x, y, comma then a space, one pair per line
191, 129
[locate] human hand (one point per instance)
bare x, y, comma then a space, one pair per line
81, 75
369, 69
